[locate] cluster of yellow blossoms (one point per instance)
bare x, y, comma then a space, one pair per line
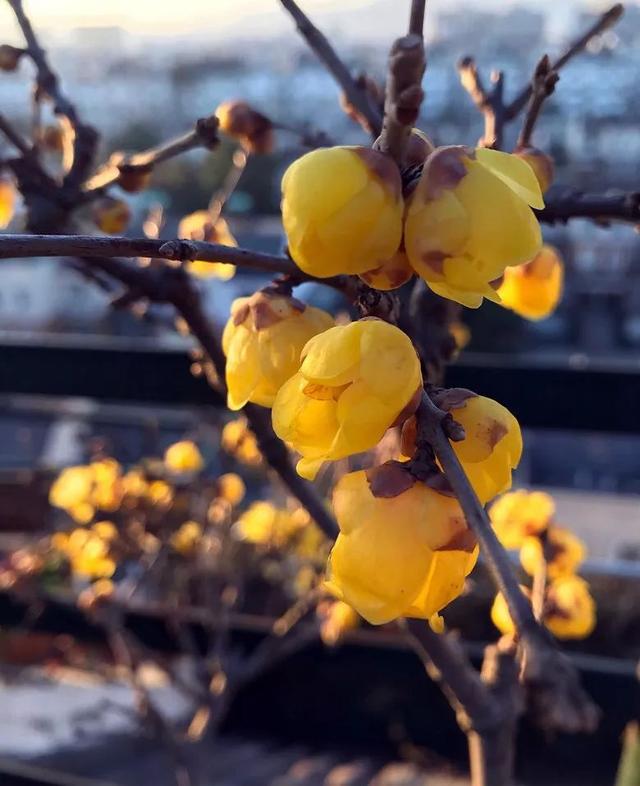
464, 224
526, 521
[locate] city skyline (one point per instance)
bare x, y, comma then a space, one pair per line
237, 16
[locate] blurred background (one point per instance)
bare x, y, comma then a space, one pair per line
75, 373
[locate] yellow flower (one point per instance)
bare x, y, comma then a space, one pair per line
106, 530
262, 341
469, 218
264, 524
72, 490
391, 274
355, 382
342, 210
519, 514
492, 446
183, 457
134, 483
396, 556
111, 216
562, 550
185, 539
570, 611
500, 615
7, 201
541, 163
239, 441
533, 290
200, 226
159, 493
337, 619
231, 488
107, 490
87, 553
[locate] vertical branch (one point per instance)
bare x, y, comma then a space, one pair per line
543, 85
416, 20
319, 43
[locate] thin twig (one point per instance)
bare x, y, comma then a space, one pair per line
488, 101
16, 139
230, 183
204, 134
606, 20
543, 84
319, 43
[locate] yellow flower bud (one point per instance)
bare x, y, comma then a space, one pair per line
186, 538
199, 226
492, 446
570, 611
264, 524
111, 216
231, 488
469, 218
520, 514
562, 550
541, 163
105, 530
72, 487
405, 555
183, 456
337, 619
533, 290
7, 201
262, 341
355, 382
342, 210
390, 274
237, 439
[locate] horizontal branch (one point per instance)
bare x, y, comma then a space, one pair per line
20, 246
562, 204
319, 43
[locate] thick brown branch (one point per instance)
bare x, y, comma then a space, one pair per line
563, 204
556, 695
543, 84
204, 134
403, 96
605, 21
328, 56
487, 705
16, 246
416, 20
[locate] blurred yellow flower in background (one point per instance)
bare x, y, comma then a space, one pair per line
201, 226
183, 456
520, 513
534, 289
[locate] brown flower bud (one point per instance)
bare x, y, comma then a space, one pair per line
241, 122
10, 57
541, 163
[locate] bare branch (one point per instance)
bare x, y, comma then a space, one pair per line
328, 56
563, 204
403, 95
204, 134
19, 246
489, 102
543, 85
86, 138
557, 697
487, 705
14, 137
606, 20
416, 20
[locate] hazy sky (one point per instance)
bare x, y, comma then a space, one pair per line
185, 15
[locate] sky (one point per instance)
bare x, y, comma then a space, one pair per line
183, 16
